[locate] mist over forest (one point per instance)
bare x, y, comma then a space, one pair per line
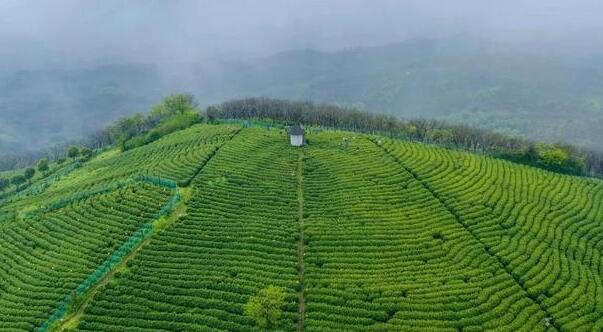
522, 68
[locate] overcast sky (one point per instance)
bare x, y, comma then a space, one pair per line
63, 32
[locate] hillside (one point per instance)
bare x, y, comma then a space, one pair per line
360, 232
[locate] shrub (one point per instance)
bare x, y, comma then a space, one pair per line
172, 124
4, 183
18, 179
167, 126
29, 173
86, 153
43, 165
173, 105
73, 152
266, 307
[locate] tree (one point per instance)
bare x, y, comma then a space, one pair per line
43, 165
441, 136
212, 114
73, 152
552, 156
29, 173
18, 179
531, 153
173, 105
86, 153
4, 183
265, 308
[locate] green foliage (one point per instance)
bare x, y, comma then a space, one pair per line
537, 228
235, 237
29, 173
265, 308
4, 183
440, 136
18, 180
174, 113
212, 114
177, 122
128, 127
43, 165
398, 236
74, 298
552, 156
86, 153
73, 152
464, 137
177, 156
73, 246
173, 105
167, 126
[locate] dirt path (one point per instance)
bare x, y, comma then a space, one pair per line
300, 241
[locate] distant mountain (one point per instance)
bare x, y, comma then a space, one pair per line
542, 97
39, 108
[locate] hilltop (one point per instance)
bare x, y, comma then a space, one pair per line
356, 231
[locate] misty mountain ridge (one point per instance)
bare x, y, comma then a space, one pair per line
477, 84
524, 93
45, 107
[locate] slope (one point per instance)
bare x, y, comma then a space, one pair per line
238, 237
363, 233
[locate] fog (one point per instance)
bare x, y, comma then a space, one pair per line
70, 32
183, 41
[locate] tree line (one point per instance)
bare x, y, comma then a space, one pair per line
559, 157
179, 111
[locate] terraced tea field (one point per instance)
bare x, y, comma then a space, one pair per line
360, 233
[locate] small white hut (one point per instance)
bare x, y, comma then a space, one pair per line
296, 135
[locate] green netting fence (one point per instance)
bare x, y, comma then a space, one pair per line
42, 185
121, 252
60, 203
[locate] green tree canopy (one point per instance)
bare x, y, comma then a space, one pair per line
18, 179
4, 183
43, 165
266, 307
174, 104
29, 173
552, 156
73, 152
86, 152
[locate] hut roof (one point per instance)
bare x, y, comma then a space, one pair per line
296, 130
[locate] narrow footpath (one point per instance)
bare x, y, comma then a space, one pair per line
300, 241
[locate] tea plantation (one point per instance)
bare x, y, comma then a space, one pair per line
357, 232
